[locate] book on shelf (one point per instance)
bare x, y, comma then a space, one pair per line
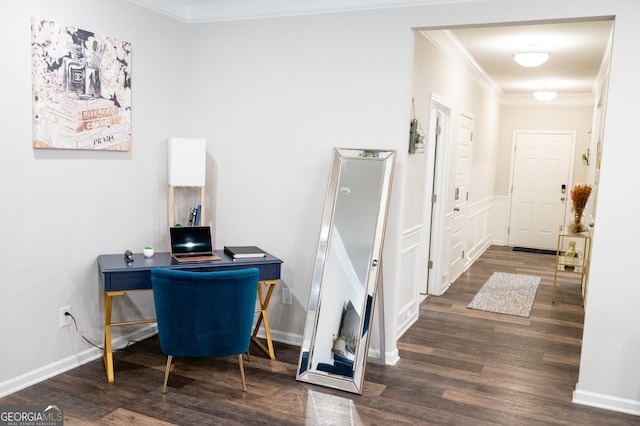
243, 252
194, 216
190, 222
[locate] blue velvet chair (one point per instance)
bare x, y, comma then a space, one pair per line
204, 314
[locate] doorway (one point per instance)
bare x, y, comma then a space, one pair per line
541, 176
451, 244
439, 74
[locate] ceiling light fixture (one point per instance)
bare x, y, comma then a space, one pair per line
531, 59
544, 95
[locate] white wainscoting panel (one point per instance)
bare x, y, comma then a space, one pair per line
478, 230
499, 220
407, 315
413, 269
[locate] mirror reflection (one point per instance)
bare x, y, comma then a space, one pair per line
341, 301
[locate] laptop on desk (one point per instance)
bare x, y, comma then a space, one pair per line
191, 244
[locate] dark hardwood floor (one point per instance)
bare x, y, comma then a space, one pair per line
457, 367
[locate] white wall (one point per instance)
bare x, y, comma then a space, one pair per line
276, 97
272, 97
60, 209
441, 69
609, 371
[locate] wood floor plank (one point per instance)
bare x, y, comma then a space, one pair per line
121, 416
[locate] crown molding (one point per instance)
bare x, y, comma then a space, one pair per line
200, 11
450, 46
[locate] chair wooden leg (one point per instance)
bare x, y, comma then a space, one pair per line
244, 385
166, 374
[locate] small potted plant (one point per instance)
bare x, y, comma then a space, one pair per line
339, 345
416, 137
147, 251
419, 140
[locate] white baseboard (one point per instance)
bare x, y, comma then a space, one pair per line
69, 363
390, 358
282, 337
607, 402
76, 360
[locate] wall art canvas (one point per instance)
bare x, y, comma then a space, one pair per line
81, 88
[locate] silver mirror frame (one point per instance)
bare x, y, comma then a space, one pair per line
306, 373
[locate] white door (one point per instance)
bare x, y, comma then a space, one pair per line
436, 243
539, 188
461, 196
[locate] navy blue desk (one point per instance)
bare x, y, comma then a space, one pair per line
119, 277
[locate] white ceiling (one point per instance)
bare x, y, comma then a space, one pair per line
577, 48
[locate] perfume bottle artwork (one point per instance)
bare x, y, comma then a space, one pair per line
82, 74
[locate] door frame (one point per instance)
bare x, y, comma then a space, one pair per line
436, 183
572, 156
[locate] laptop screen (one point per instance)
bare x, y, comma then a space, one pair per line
190, 239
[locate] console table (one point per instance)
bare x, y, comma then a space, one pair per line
117, 277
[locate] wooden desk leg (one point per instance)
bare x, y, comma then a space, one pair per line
108, 354
264, 303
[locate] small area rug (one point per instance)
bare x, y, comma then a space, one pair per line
505, 293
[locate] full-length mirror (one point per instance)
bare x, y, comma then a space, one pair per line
348, 262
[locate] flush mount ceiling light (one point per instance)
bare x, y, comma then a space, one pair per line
531, 59
544, 95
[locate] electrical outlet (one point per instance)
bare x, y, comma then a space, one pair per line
64, 320
286, 296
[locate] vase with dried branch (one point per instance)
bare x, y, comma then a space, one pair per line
579, 197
